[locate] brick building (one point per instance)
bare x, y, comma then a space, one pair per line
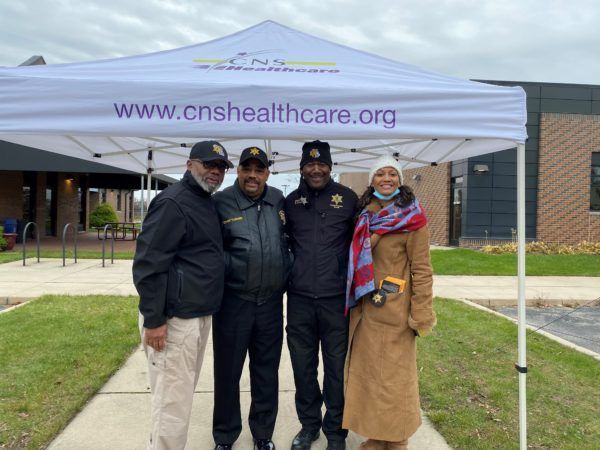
474, 201
53, 190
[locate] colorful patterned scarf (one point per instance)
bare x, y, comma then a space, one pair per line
391, 219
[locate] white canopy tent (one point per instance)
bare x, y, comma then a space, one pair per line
270, 86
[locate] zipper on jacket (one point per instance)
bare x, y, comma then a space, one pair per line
262, 264
315, 244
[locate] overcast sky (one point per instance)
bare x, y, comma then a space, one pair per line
519, 40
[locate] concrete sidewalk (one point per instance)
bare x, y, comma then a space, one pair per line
496, 291
118, 416
18, 283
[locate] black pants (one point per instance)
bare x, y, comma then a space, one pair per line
310, 322
242, 327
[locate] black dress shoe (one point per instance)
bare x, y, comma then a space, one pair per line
304, 439
336, 445
264, 444
223, 446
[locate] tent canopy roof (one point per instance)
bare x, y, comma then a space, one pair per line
268, 85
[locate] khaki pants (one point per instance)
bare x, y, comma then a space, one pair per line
173, 377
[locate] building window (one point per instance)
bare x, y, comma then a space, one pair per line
595, 183
119, 201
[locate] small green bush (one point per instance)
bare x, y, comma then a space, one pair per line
582, 248
102, 214
3, 243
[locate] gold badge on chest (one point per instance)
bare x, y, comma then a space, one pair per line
337, 201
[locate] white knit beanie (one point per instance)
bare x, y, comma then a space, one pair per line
385, 161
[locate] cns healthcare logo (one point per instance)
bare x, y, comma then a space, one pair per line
262, 61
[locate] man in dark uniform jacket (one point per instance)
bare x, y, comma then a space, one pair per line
320, 224
257, 261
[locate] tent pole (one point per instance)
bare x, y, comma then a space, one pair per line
142, 199
149, 171
149, 187
522, 364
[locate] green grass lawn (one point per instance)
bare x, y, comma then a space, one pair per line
469, 386
463, 261
55, 353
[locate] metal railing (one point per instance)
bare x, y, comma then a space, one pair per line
64, 235
112, 244
37, 238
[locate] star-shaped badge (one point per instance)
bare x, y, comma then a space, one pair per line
254, 151
301, 201
314, 153
378, 298
217, 149
337, 199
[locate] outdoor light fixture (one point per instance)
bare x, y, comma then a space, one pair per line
481, 168
70, 178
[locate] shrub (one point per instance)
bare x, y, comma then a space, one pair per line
3, 243
584, 247
102, 214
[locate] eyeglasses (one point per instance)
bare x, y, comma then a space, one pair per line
209, 165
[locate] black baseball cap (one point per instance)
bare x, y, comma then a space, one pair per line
210, 151
254, 153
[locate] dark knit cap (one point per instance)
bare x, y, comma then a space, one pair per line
315, 151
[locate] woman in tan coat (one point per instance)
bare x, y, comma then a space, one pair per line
390, 303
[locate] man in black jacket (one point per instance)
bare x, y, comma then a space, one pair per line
320, 224
178, 272
250, 321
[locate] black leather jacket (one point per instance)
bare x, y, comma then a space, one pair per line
320, 226
178, 266
257, 258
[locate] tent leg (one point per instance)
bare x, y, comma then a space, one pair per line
149, 187
142, 205
522, 364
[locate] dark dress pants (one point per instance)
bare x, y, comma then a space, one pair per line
311, 322
242, 327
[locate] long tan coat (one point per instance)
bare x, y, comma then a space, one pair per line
382, 392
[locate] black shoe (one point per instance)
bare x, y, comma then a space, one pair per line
304, 439
264, 444
223, 446
336, 445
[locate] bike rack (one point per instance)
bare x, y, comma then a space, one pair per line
112, 244
37, 236
64, 235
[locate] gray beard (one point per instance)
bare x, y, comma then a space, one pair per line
204, 185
